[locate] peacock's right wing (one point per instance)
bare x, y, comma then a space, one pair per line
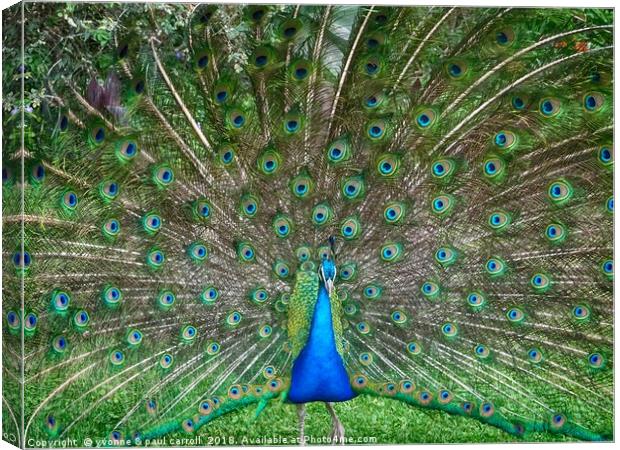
477, 273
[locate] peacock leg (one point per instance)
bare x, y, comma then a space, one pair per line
337, 435
301, 415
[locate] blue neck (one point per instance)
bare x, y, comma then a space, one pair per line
318, 372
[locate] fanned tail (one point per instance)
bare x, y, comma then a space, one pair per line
462, 158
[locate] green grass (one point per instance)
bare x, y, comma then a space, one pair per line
384, 420
367, 420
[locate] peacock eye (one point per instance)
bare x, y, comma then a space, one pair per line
12, 320
515, 315
63, 123
505, 140
446, 256
608, 268
238, 120
495, 267
550, 107
487, 409
202, 61
69, 201
234, 318
424, 119
188, 334
264, 331
499, 220
376, 130
338, 151
430, 290
111, 296
443, 169
209, 295
406, 386
126, 151
381, 18
482, 351
60, 301
21, 259
117, 357
321, 214
282, 225
593, 101
197, 252
535, 355
556, 233
388, 164
373, 100
518, 103
138, 86
414, 348
81, 318
581, 312
596, 360
456, 69
165, 362
30, 322
494, 168
449, 330
605, 155
398, 317
134, 338
97, 135
350, 228
300, 69
540, 282
59, 344
263, 57
372, 66
363, 328
558, 420
302, 185
476, 299
391, 252
37, 173
442, 205
245, 252
292, 125
353, 187
560, 192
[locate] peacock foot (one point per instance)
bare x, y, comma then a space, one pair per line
337, 434
301, 415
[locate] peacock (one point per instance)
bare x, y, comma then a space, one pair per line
268, 204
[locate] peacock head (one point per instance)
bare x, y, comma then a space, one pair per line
327, 269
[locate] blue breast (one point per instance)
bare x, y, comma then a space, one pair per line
318, 372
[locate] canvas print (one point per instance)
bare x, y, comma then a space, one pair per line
229, 224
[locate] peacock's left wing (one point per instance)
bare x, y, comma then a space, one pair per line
156, 261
